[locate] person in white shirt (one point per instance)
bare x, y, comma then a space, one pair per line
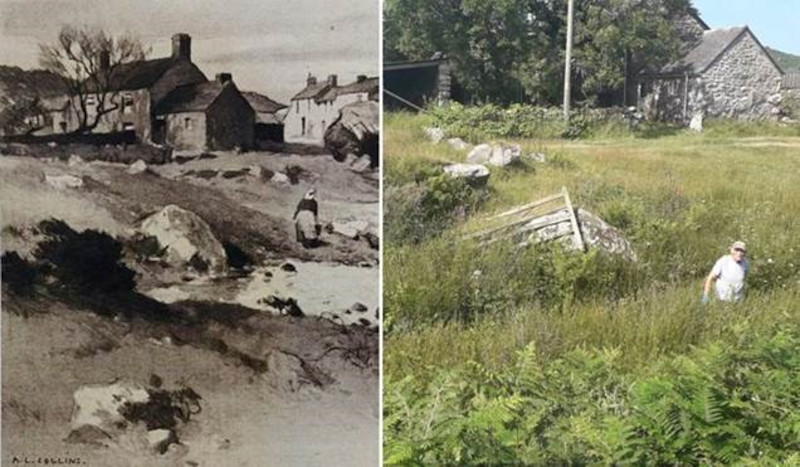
728, 275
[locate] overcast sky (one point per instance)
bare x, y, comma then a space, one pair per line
268, 45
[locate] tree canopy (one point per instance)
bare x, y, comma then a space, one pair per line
513, 50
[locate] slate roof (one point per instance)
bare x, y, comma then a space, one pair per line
140, 74
311, 91
191, 98
261, 103
791, 80
369, 85
711, 45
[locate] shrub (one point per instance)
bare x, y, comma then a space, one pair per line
88, 261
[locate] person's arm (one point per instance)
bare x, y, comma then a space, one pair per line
297, 210
712, 277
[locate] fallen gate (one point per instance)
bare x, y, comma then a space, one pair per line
547, 219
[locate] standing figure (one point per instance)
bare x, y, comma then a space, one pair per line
305, 217
729, 273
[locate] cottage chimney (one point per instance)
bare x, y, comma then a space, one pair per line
223, 78
311, 80
332, 80
361, 78
105, 60
182, 46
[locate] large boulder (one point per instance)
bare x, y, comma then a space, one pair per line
187, 238
96, 408
355, 131
476, 175
598, 234
498, 155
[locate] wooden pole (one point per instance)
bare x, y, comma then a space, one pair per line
568, 62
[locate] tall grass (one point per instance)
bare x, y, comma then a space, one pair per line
680, 198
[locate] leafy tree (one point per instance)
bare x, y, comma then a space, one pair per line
87, 60
513, 50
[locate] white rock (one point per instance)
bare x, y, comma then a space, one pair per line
458, 143
537, 157
52, 144
184, 234
61, 182
98, 405
361, 164
168, 294
75, 160
696, 124
159, 439
350, 229
280, 178
137, 167
503, 155
480, 154
475, 174
435, 134
255, 170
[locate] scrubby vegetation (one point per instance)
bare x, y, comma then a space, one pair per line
540, 356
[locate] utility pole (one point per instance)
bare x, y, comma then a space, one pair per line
568, 62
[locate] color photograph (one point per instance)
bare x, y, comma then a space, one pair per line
591, 215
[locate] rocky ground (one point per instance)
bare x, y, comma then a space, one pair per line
277, 342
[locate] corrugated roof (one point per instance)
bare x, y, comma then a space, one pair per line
261, 103
791, 81
191, 97
711, 45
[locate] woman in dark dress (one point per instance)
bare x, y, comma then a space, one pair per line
305, 217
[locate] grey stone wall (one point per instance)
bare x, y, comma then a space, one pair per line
741, 84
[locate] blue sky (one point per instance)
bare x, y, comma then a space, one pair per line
776, 23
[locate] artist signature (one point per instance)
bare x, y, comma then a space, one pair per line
47, 460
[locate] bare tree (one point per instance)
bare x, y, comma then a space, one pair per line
88, 60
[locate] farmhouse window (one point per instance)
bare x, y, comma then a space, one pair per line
297, 106
90, 100
187, 123
127, 104
303, 126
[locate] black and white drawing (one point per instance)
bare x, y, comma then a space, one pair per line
190, 232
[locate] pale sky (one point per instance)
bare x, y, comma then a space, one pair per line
774, 22
268, 45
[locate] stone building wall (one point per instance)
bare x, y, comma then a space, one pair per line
742, 84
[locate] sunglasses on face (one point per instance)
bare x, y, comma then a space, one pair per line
739, 250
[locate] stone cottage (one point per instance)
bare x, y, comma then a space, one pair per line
211, 115
725, 73
139, 87
314, 108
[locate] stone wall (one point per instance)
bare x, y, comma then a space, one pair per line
742, 84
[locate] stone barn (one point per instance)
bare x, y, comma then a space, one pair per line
269, 117
726, 73
212, 115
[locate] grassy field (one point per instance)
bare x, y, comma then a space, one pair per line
649, 368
